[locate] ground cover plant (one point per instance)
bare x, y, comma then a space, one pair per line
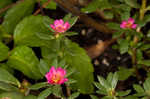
74, 49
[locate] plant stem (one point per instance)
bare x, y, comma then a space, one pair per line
142, 10
68, 91
43, 6
135, 40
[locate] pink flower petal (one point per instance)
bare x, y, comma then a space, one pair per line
66, 25
52, 26
134, 26
131, 20
56, 23
61, 22
122, 26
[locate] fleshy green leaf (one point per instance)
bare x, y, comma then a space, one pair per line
30, 97
147, 84
93, 97
114, 80
124, 93
38, 86
124, 73
45, 93
12, 95
16, 14
104, 82
51, 5
74, 95
77, 58
27, 32
138, 88
144, 62
70, 19
23, 59
43, 66
3, 51
124, 46
7, 87
6, 77
132, 3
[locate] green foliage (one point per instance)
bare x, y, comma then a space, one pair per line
3, 51
26, 32
4, 3
14, 15
44, 93
23, 59
132, 3
51, 5
12, 95
107, 87
76, 58
6, 77
124, 73
143, 92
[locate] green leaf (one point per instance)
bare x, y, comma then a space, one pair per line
51, 5
113, 25
147, 84
14, 15
6, 77
70, 19
23, 59
45, 93
124, 73
57, 90
7, 87
93, 97
138, 88
104, 82
124, 46
11, 95
27, 32
71, 33
74, 95
30, 97
131, 97
6, 67
123, 93
39, 85
3, 51
102, 89
132, 3
93, 6
144, 62
77, 59
108, 14
44, 67
114, 80
146, 19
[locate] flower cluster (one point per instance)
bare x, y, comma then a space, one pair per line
59, 26
128, 24
56, 76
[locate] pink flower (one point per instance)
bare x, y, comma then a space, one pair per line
56, 76
128, 24
59, 26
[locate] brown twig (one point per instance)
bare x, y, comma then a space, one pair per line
6, 8
83, 17
43, 6
96, 50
